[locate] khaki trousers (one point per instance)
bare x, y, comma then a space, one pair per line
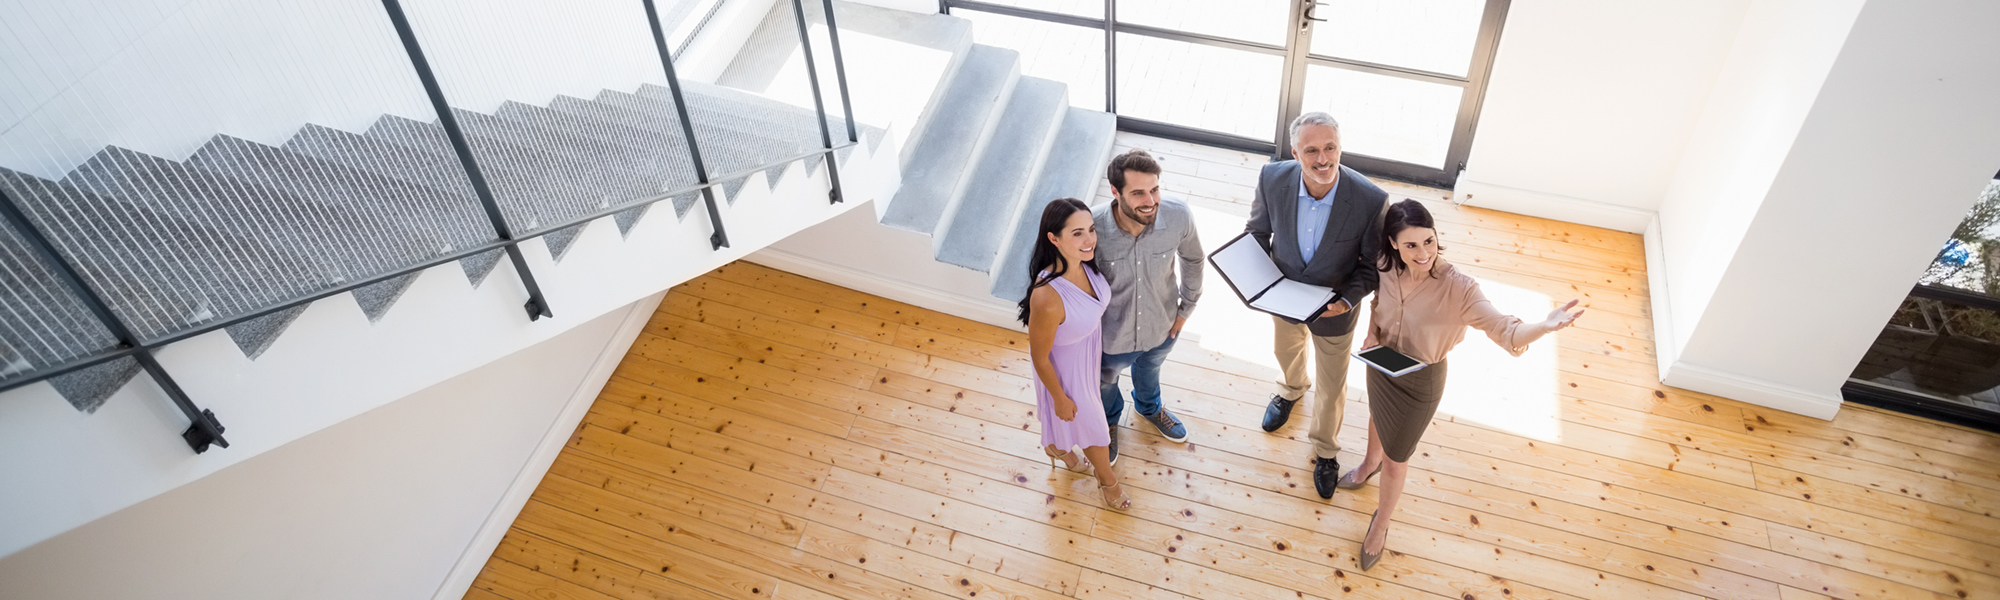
1330, 356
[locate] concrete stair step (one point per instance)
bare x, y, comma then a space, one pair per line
1074, 168
952, 142
976, 225
874, 39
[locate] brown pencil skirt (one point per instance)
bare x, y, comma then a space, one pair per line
1400, 408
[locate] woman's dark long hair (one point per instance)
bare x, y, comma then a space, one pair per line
1046, 256
1402, 215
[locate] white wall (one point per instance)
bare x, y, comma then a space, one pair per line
379, 506
1590, 104
1747, 128
1894, 148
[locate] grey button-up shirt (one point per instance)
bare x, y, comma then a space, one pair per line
1146, 297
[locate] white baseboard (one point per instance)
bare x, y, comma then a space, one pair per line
1552, 206
487, 539
1754, 391
986, 309
1666, 348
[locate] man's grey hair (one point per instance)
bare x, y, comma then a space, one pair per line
1312, 118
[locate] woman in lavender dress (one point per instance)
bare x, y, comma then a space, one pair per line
1062, 311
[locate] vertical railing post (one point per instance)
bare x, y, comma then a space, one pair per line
719, 239
537, 305
819, 104
203, 428
840, 71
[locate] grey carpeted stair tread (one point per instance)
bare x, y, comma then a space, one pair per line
398, 212
952, 143
255, 336
977, 223
250, 238
356, 210
560, 240
516, 174
442, 174
1074, 168
478, 266
45, 324
376, 298
661, 132
714, 98
89, 388
138, 261
628, 114
726, 147
632, 166
629, 218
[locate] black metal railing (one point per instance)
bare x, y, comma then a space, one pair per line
58, 267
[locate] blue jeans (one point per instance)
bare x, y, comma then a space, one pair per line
1145, 366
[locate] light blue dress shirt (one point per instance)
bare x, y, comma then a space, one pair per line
1312, 217
1312, 220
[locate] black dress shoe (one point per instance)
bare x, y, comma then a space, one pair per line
1278, 412
1326, 474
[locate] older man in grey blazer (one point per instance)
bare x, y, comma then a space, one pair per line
1319, 221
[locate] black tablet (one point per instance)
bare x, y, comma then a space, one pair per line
1389, 362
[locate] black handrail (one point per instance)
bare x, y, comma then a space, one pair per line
537, 305
819, 105
205, 430
719, 239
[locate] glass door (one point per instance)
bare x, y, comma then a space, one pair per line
1404, 77
1939, 355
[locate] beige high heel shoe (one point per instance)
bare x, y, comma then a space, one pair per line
1104, 492
1068, 460
1369, 560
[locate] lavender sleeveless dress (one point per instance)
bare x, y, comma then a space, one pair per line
1078, 349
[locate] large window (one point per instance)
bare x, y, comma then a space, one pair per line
1939, 355
1404, 77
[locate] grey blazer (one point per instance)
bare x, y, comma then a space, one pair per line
1346, 257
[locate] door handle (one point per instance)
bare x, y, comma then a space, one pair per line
1308, 17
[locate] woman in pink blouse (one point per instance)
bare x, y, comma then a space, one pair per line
1421, 310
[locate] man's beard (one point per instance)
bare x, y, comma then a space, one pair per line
1134, 215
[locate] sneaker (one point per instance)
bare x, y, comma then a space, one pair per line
1170, 427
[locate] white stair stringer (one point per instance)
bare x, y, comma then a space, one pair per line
333, 364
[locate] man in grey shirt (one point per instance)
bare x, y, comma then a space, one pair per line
1138, 236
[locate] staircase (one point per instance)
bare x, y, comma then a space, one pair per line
239, 226
985, 155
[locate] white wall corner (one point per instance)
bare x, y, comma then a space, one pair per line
1665, 350
501, 519
1818, 405
1551, 206
984, 309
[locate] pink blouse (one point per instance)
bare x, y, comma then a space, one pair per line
1429, 318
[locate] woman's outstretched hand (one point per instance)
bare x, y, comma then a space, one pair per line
1562, 317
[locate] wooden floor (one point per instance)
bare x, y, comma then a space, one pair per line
771, 436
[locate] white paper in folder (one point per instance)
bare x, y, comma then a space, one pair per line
1257, 280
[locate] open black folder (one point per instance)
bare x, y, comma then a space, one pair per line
1256, 279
